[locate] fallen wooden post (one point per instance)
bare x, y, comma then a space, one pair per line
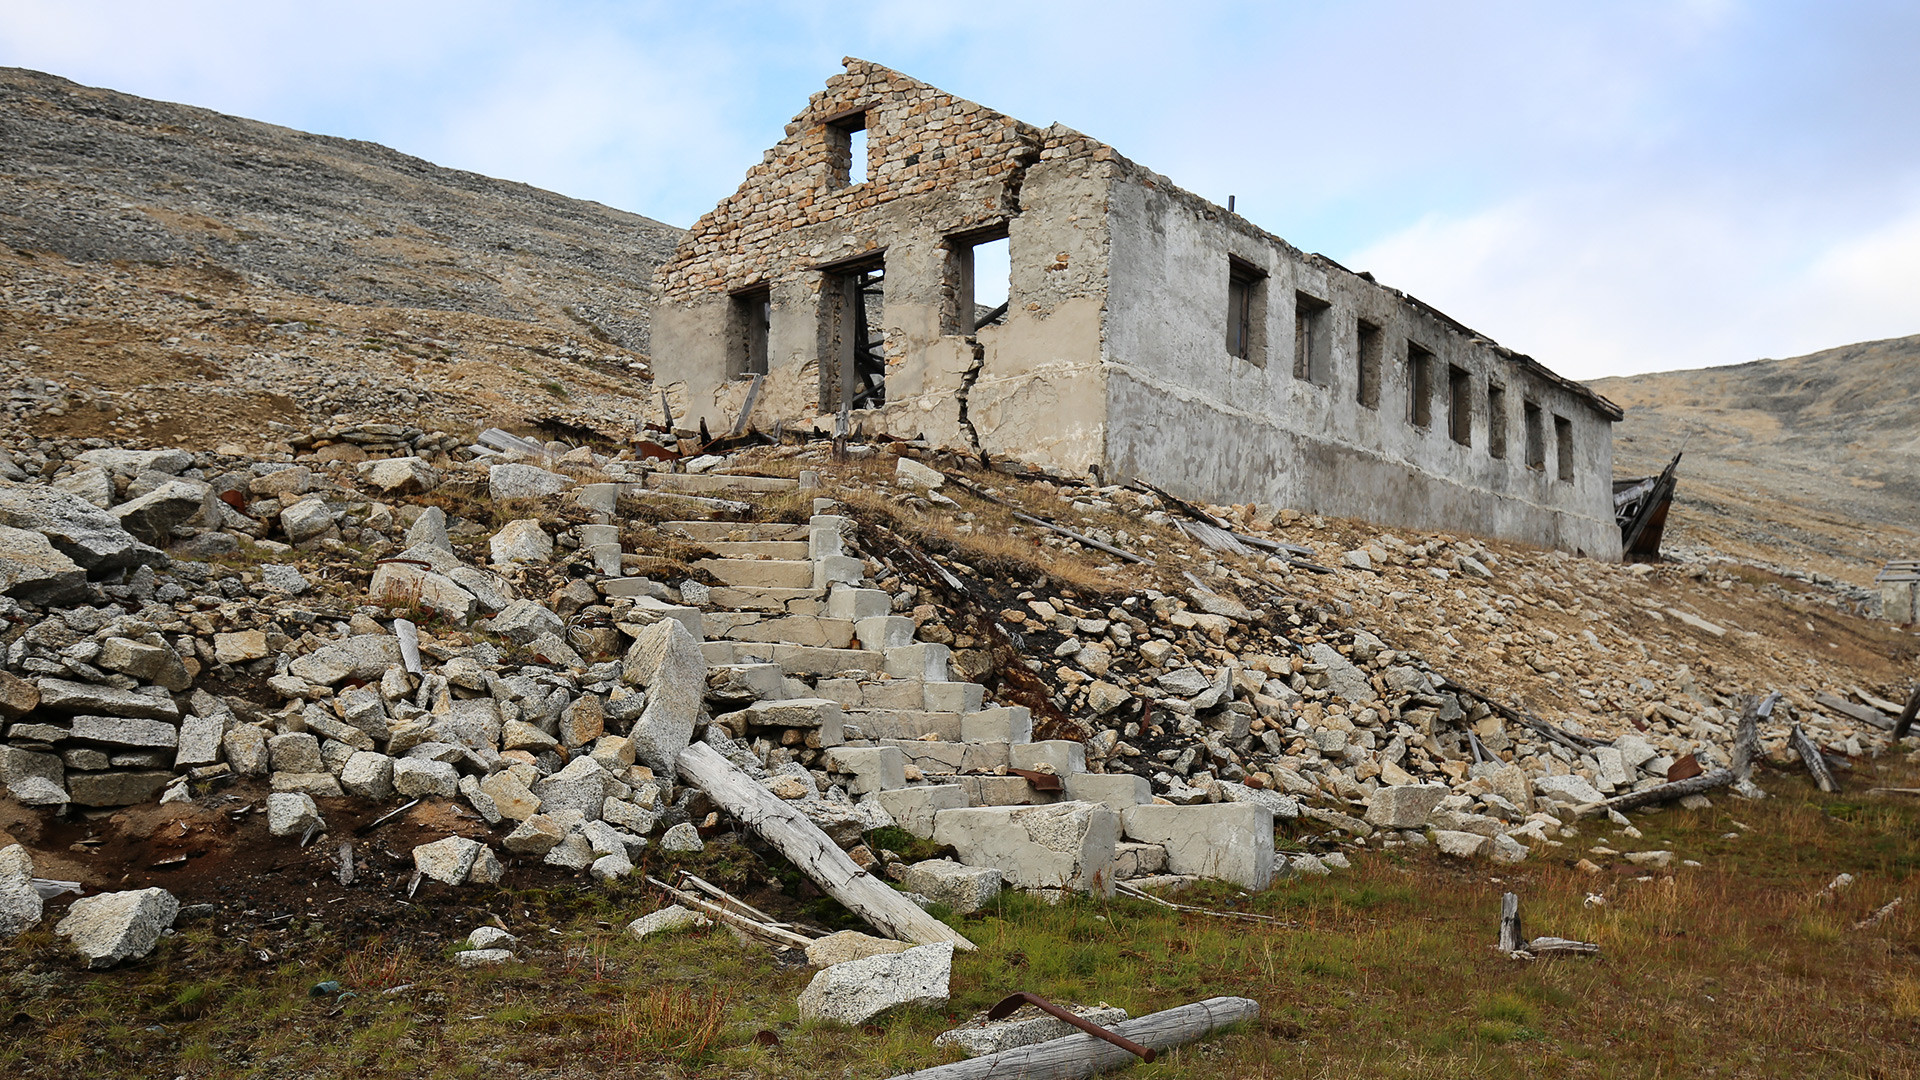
809, 849
1075, 1056
1653, 796
1746, 746
1905, 723
1128, 889
772, 935
1814, 760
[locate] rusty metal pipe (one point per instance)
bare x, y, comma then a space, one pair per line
1007, 1005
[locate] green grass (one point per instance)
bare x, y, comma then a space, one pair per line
1739, 968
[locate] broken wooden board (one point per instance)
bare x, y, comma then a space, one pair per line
1076, 1056
1863, 713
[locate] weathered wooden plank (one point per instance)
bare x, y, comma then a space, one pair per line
1076, 1056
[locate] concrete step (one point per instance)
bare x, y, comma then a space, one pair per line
913, 806
782, 629
718, 483
998, 790
852, 602
708, 532
746, 682
802, 660
925, 661
761, 573
778, 601
951, 758
792, 550
1006, 723
872, 768
958, 697
903, 724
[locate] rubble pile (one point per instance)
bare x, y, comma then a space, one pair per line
323, 627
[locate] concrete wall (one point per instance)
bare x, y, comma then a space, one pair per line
1185, 414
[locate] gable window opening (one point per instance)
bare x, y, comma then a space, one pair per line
1536, 436
847, 150
1496, 421
982, 279
1460, 405
1312, 349
1246, 311
853, 357
1419, 386
1563, 447
1366, 349
752, 319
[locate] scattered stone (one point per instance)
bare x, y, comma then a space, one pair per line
472, 958
858, 990
516, 481
522, 541
112, 927
447, 861
667, 920
682, 837
20, 902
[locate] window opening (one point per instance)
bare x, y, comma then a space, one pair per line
982, 276
853, 361
1563, 447
1460, 405
1536, 437
1367, 349
1496, 420
847, 150
1311, 317
1246, 311
1419, 386
752, 316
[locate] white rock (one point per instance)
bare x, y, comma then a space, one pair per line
962, 888
666, 660
911, 473
112, 927
1460, 845
20, 903
1226, 841
1405, 806
858, 990
447, 861
515, 481
417, 777
611, 867
482, 957
666, 920
682, 837
290, 814
521, 541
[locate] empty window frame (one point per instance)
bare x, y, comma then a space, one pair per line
1419, 386
747, 336
1246, 311
1366, 348
1312, 343
853, 359
981, 273
1563, 447
1536, 436
1496, 420
1460, 405
847, 150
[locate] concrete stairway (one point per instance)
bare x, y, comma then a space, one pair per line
805, 662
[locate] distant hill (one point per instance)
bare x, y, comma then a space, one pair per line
1813, 460
155, 255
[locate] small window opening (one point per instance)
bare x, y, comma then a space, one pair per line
1536, 436
853, 355
1312, 318
1419, 386
847, 150
1497, 420
1367, 349
982, 270
1563, 447
1460, 405
747, 344
1246, 311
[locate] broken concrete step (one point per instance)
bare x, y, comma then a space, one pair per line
801, 660
904, 724
805, 601
739, 682
997, 790
718, 483
788, 629
761, 573
831, 570
814, 714
925, 661
759, 549
1061, 757
708, 532
871, 768
1063, 846
957, 697
885, 631
1004, 723
853, 602
648, 610
951, 758
912, 807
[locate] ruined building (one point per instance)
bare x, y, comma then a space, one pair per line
1147, 332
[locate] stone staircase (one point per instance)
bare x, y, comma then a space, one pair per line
816, 675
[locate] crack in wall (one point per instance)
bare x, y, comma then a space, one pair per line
971, 376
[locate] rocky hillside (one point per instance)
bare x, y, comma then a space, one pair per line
168, 272
1811, 462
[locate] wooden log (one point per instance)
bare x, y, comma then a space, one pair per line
1559, 946
1076, 1056
1814, 760
771, 935
1511, 939
1905, 723
1866, 714
809, 849
1746, 746
1664, 793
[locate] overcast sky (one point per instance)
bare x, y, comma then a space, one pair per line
1612, 187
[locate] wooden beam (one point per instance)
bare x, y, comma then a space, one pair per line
1076, 1056
1814, 760
1679, 789
809, 849
1905, 723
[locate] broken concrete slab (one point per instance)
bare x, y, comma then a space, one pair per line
112, 927
1066, 845
963, 889
1226, 841
858, 990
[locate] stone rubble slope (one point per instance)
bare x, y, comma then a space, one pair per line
327, 630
